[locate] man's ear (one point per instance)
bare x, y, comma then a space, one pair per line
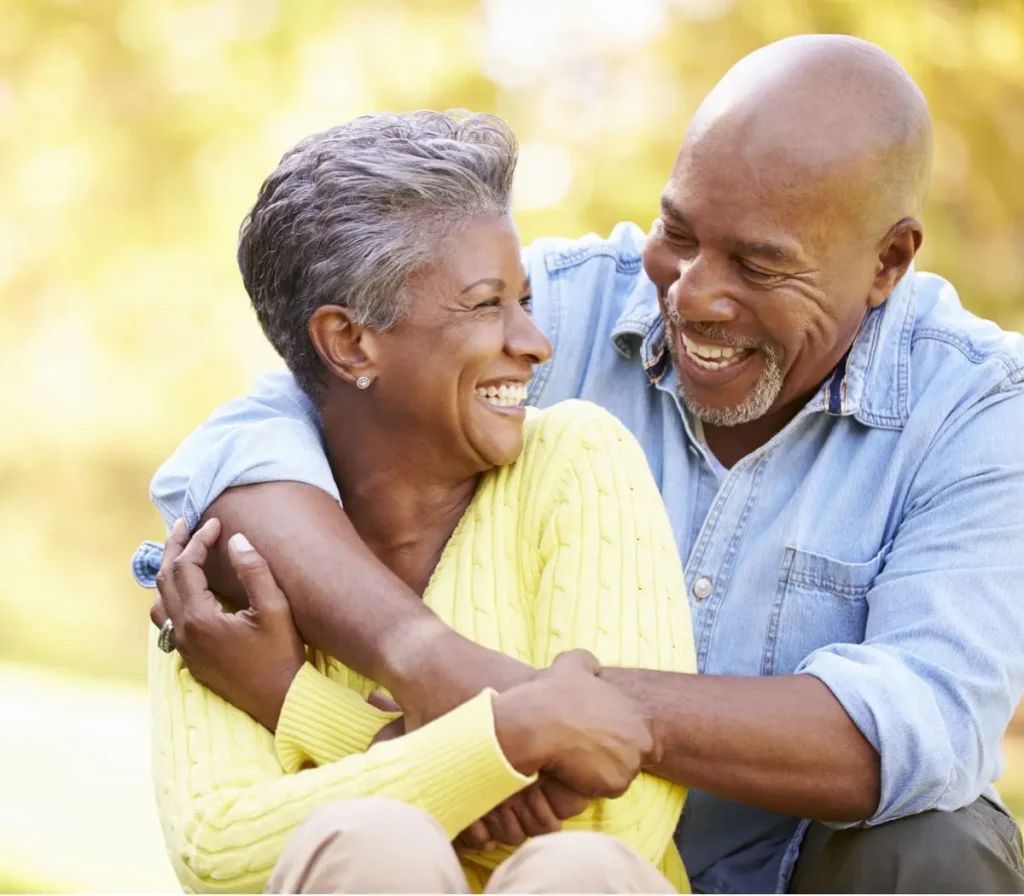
347, 349
895, 253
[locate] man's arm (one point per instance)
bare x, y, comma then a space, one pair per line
347, 604
782, 743
258, 464
911, 719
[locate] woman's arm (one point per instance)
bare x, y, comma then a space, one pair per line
227, 807
611, 582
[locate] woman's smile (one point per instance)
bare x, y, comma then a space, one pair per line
505, 396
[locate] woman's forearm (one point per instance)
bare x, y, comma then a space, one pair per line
782, 743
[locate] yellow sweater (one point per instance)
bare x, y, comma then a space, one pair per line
568, 547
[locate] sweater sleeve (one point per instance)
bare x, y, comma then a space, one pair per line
323, 721
227, 807
610, 580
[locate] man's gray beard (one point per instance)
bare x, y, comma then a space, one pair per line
755, 405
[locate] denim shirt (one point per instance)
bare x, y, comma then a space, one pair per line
876, 543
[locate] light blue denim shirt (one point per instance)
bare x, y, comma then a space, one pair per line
876, 543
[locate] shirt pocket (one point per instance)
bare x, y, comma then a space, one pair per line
819, 601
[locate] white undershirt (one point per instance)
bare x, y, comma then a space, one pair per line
717, 467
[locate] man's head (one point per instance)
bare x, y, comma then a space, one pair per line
794, 206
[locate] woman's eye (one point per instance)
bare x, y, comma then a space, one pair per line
490, 303
527, 303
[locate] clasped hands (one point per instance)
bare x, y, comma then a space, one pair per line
583, 737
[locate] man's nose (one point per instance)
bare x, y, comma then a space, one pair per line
700, 294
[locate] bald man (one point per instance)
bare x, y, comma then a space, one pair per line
839, 445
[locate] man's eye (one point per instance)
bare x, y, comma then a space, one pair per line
756, 274
490, 303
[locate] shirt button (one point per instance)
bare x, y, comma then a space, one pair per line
702, 588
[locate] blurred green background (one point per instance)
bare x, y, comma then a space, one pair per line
133, 137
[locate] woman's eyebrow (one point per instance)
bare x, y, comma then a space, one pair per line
495, 282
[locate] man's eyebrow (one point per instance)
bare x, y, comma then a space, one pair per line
768, 251
495, 282
668, 208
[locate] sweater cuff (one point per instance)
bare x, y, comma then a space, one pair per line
323, 721
462, 769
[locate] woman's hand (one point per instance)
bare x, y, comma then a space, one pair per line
250, 657
578, 728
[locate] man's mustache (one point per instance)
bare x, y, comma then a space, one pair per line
716, 333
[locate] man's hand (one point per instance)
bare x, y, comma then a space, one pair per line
570, 723
249, 658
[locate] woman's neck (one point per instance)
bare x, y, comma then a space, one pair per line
403, 509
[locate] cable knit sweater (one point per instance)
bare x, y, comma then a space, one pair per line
570, 546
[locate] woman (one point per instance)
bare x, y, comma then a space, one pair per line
385, 269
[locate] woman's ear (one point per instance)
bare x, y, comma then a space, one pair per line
347, 349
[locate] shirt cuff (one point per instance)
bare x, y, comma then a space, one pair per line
323, 721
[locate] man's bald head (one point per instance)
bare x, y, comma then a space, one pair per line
794, 206
826, 110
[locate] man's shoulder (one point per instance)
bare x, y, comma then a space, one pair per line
968, 340
957, 353
623, 248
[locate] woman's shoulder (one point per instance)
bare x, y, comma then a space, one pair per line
571, 429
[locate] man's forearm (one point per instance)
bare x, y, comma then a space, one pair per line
782, 743
346, 603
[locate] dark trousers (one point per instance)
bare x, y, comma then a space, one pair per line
974, 850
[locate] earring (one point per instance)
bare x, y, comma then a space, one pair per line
363, 382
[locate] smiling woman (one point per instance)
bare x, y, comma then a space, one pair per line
385, 269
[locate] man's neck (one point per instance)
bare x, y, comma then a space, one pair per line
730, 444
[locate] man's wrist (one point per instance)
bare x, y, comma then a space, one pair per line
631, 683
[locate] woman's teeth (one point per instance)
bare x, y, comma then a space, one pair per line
507, 395
714, 357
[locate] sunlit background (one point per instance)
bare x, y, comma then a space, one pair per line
134, 135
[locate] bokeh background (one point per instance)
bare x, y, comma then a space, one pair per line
134, 135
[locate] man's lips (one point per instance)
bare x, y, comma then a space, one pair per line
713, 364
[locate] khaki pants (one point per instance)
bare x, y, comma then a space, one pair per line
377, 845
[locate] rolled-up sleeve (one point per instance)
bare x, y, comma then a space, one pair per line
941, 669
272, 434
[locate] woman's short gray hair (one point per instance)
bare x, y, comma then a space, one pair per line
350, 213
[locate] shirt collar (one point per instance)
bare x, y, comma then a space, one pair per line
871, 383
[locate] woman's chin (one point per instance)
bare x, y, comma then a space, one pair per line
500, 442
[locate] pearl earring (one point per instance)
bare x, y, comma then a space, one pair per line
363, 382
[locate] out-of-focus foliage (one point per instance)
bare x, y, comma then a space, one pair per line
135, 133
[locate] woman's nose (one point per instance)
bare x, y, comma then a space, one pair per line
524, 339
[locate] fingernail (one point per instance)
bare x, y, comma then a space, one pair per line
180, 527
240, 543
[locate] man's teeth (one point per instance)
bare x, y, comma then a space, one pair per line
713, 357
507, 395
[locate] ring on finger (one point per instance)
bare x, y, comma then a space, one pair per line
166, 639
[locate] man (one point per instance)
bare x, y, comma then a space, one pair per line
838, 445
